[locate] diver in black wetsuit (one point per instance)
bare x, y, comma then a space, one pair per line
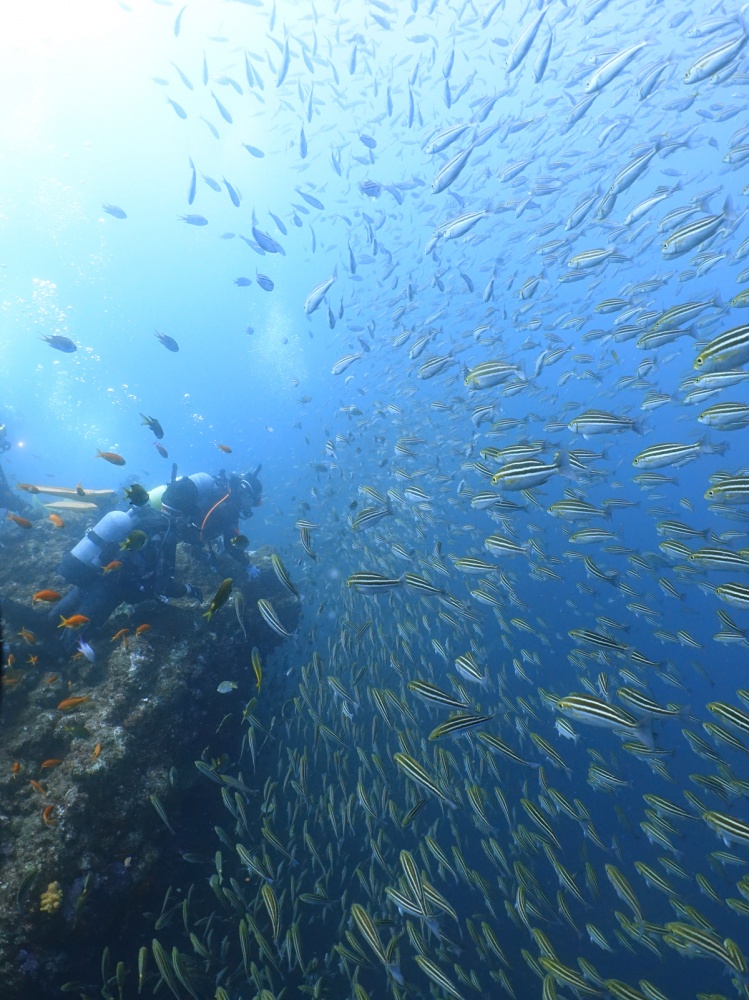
130, 555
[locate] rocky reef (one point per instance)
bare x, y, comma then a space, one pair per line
101, 806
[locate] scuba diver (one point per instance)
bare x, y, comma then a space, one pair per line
8, 499
129, 556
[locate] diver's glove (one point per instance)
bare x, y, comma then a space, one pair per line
253, 572
195, 592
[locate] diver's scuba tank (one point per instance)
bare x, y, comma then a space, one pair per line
206, 485
184, 496
82, 565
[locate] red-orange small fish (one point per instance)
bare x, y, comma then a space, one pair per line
75, 621
225, 448
11, 658
52, 762
141, 629
32, 660
57, 520
111, 566
45, 595
22, 522
8, 681
110, 456
67, 703
120, 635
51, 679
28, 637
15, 767
37, 787
47, 817
97, 751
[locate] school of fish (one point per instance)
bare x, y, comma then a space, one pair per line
513, 761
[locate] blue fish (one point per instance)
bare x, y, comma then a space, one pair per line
243, 282
254, 151
169, 342
193, 184
232, 192
115, 211
266, 242
64, 344
278, 222
194, 220
178, 108
311, 200
265, 282
222, 110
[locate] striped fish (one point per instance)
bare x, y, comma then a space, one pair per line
734, 489
413, 770
470, 564
271, 905
270, 617
370, 515
368, 931
727, 351
437, 976
458, 724
373, 583
434, 695
731, 715
490, 373
596, 712
735, 594
525, 474
282, 574
719, 559
658, 456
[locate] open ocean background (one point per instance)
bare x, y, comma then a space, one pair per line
87, 122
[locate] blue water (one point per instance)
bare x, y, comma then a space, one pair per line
370, 85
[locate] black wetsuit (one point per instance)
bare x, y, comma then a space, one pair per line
148, 573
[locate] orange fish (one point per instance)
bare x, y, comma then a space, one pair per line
51, 679
22, 522
141, 629
225, 448
9, 680
28, 487
75, 621
15, 767
110, 456
120, 635
114, 564
52, 762
47, 817
32, 660
67, 703
45, 595
37, 787
57, 520
28, 637
97, 751
12, 658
